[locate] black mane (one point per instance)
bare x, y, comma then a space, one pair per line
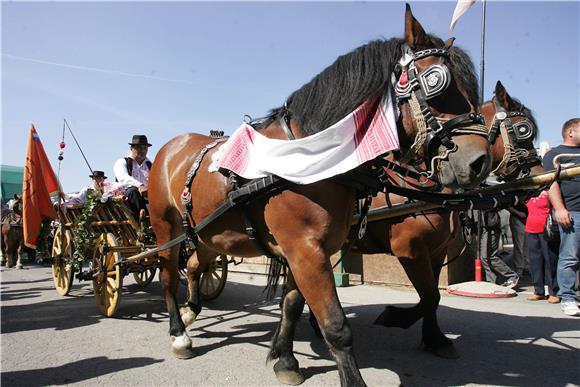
357, 76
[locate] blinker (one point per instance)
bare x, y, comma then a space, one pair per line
434, 80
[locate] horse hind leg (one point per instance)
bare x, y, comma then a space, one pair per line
287, 369
191, 309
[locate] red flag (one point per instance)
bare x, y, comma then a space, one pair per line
38, 184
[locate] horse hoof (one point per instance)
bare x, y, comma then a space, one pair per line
188, 316
292, 377
181, 347
19, 266
445, 352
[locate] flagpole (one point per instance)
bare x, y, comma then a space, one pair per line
482, 61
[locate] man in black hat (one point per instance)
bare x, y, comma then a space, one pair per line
133, 172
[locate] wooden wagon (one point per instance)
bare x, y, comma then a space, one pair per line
119, 246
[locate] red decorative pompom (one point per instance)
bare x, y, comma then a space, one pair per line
403, 80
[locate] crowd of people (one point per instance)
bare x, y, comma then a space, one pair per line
551, 258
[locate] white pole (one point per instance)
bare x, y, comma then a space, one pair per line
482, 61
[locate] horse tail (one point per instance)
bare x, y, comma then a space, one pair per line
276, 268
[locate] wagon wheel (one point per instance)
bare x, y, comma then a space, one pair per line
213, 279
107, 276
144, 278
62, 252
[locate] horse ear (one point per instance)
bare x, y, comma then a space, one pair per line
449, 43
15, 196
415, 35
502, 96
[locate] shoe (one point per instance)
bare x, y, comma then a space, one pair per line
536, 297
554, 300
570, 308
511, 282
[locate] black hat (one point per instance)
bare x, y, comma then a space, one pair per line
98, 174
139, 139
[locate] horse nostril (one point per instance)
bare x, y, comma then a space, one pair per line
478, 165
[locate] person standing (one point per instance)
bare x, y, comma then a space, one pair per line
133, 172
543, 253
564, 197
518, 215
491, 261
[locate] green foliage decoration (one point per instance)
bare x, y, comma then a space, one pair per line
83, 235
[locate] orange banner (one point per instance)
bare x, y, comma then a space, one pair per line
39, 183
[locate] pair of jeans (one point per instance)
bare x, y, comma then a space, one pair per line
568, 258
543, 260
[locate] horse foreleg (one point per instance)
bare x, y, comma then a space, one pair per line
3, 258
434, 339
282, 348
19, 251
313, 275
190, 310
420, 271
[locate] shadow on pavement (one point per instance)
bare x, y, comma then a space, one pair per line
495, 348
73, 372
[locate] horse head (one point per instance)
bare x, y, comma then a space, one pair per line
512, 132
16, 205
436, 88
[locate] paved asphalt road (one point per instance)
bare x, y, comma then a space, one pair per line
47, 339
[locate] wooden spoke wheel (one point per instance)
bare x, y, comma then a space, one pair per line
144, 278
62, 251
213, 279
107, 276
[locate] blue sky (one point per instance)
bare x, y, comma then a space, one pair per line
114, 69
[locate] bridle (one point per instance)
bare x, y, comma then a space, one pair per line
519, 152
417, 88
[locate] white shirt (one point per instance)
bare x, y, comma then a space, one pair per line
139, 174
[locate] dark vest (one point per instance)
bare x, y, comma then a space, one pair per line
129, 162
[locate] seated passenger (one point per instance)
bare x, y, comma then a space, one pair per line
98, 184
133, 173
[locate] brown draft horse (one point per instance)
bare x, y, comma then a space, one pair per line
12, 235
303, 224
421, 243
